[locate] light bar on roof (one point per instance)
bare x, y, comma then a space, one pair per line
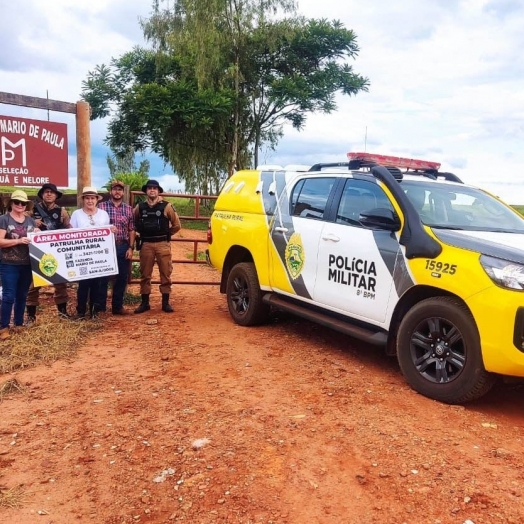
386, 160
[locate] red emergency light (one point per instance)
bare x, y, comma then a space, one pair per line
386, 160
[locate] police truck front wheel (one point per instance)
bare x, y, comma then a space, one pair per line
438, 349
244, 296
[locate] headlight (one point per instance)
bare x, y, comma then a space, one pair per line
503, 272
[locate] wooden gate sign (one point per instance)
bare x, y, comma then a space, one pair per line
32, 152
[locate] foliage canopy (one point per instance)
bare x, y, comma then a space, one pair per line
220, 80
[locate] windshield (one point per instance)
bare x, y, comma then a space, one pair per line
461, 207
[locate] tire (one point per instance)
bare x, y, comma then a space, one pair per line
244, 296
438, 350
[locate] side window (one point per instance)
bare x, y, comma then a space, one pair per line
359, 196
310, 196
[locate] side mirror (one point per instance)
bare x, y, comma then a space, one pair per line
380, 218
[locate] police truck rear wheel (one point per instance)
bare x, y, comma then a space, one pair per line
244, 296
438, 349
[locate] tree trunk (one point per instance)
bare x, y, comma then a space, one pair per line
256, 147
234, 145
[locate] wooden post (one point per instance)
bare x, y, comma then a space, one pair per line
83, 148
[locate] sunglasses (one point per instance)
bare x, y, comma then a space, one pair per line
91, 221
19, 203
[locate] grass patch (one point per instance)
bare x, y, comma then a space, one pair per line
196, 225
135, 270
187, 206
131, 299
201, 255
11, 498
10, 386
520, 209
49, 339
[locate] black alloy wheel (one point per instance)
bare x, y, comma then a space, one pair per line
439, 351
244, 296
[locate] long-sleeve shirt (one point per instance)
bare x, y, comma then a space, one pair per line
122, 217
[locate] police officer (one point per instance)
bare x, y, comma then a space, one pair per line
48, 215
155, 221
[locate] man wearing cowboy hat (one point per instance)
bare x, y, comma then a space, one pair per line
48, 215
156, 221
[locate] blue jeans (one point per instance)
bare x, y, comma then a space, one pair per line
16, 280
120, 283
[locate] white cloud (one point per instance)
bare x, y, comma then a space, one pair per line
446, 85
446, 80
170, 183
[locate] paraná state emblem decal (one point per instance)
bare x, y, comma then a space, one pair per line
295, 256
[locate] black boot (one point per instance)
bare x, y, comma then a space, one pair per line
165, 303
95, 311
62, 310
144, 305
31, 314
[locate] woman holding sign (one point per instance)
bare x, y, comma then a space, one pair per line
88, 216
15, 266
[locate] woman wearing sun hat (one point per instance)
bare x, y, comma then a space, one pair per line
15, 266
88, 216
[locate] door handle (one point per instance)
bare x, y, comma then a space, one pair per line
281, 229
332, 238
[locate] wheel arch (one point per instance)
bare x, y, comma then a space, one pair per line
414, 295
235, 255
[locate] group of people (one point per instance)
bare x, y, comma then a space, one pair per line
150, 225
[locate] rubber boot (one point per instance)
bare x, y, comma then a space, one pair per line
144, 305
31, 314
165, 303
62, 310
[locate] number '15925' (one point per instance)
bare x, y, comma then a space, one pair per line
441, 267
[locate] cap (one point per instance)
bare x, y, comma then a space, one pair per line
18, 194
117, 183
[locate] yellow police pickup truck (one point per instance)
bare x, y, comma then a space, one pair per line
388, 250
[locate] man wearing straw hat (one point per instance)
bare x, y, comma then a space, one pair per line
49, 215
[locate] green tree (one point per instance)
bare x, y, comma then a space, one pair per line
126, 163
296, 67
122, 166
221, 80
153, 108
212, 38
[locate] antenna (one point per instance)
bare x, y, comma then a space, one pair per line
47, 95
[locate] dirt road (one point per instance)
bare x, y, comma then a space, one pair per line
189, 418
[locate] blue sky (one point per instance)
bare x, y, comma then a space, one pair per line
447, 81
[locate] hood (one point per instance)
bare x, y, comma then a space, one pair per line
507, 246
